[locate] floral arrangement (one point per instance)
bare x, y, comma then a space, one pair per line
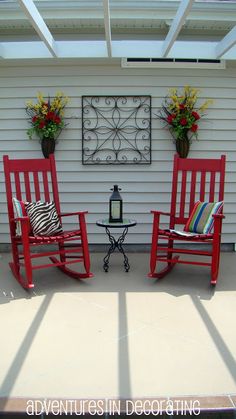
46, 116
180, 113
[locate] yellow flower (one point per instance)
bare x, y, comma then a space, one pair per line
40, 97
205, 105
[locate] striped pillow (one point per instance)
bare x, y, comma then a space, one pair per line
19, 211
201, 220
44, 219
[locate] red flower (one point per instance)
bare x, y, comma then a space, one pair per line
170, 118
183, 121
42, 124
34, 119
195, 115
57, 119
194, 128
181, 106
50, 116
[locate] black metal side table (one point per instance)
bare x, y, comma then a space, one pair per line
116, 243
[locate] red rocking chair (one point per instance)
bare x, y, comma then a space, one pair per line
195, 184
35, 180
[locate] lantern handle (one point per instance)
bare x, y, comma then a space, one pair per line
119, 189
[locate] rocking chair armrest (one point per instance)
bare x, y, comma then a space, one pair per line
67, 214
21, 219
218, 216
160, 212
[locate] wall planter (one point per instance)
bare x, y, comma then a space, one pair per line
46, 118
182, 144
48, 146
181, 114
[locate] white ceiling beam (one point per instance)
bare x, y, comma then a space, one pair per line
182, 12
39, 25
123, 48
66, 49
226, 43
107, 24
180, 49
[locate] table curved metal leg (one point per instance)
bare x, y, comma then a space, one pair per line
116, 244
120, 242
111, 250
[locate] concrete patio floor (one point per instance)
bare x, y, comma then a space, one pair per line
119, 335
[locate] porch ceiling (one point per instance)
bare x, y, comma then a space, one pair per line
117, 28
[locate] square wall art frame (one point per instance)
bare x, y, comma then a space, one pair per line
116, 130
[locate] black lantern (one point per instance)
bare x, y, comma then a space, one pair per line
115, 206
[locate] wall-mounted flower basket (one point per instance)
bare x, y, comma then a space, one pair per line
46, 118
181, 114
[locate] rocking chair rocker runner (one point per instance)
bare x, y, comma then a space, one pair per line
36, 180
193, 180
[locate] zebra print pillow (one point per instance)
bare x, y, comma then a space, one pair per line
44, 219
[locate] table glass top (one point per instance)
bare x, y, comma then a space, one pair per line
127, 222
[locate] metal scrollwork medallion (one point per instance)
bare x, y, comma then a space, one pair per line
116, 129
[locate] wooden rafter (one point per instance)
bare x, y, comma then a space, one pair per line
39, 25
226, 43
107, 24
183, 10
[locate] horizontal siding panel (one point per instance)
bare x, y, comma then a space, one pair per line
18, 102
73, 137
65, 147
128, 197
121, 86
103, 186
98, 191
164, 164
18, 112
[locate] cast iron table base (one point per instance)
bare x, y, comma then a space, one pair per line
116, 243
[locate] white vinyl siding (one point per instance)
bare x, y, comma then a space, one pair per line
144, 187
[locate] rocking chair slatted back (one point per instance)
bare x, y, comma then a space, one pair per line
195, 180
31, 180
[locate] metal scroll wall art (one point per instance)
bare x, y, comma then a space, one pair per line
116, 129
